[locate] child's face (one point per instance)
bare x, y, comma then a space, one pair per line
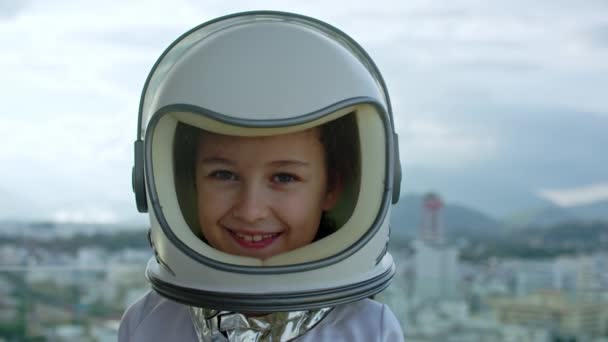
261, 196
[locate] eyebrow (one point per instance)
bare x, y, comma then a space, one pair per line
289, 163
276, 163
216, 160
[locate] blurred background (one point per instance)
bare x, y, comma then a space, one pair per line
501, 233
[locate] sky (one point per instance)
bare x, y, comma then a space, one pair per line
499, 105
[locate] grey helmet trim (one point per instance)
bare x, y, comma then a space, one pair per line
246, 302
154, 199
138, 173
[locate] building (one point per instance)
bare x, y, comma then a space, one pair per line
552, 310
435, 271
435, 262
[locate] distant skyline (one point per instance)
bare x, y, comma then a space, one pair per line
500, 106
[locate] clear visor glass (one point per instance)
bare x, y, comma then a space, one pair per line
270, 197
266, 195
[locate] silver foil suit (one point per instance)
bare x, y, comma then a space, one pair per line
225, 326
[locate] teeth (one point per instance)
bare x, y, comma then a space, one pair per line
254, 238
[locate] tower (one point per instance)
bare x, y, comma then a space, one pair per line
431, 226
435, 260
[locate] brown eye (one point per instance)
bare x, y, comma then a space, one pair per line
284, 178
223, 175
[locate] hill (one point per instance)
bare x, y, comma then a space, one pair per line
551, 214
406, 218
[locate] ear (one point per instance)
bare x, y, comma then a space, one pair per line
332, 195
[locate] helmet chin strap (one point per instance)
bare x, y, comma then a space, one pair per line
218, 326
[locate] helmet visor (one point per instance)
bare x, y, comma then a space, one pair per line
273, 196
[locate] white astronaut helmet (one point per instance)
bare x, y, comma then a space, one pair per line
257, 74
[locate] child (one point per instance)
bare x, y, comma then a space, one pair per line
267, 155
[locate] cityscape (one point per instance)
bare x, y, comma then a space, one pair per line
71, 282
499, 110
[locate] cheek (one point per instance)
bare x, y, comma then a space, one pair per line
211, 206
301, 214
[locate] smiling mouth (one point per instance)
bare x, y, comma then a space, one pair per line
255, 241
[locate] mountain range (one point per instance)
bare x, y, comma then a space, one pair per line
407, 217
551, 214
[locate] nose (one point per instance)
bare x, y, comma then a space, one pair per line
252, 204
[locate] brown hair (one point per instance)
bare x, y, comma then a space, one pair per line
340, 140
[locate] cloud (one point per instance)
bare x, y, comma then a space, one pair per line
598, 35
576, 196
533, 149
85, 215
500, 98
9, 9
429, 143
